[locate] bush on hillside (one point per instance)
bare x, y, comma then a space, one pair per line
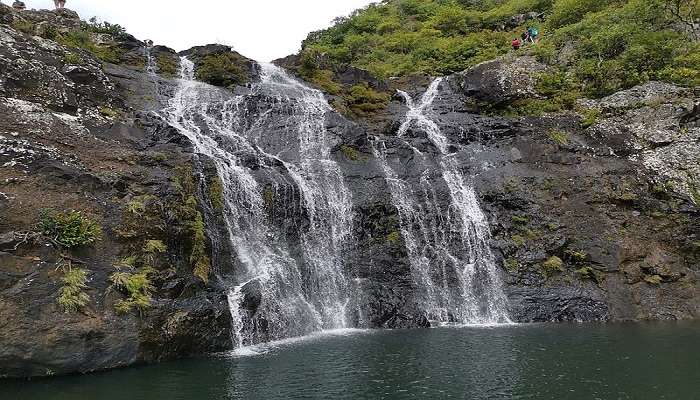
223, 69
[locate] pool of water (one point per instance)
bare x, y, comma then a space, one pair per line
614, 361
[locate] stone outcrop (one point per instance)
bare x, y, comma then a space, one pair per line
77, 134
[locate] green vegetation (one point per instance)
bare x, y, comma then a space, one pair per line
512, 264
108, 112
610, 44
351, 153
363, 100
577, 256
394, 238
552, 265
72, 297
216, 194
136, 286
167, 65
560, 137
653, 279
23, 26
590, 117
518, 240
520, 220
73, 58
222, 69
69, 229
188, 214
590, 274
154, 247
269, 197
102, 27
82, 39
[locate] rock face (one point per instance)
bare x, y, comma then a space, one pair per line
80, 136
588, 224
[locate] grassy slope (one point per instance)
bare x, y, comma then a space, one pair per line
612, 44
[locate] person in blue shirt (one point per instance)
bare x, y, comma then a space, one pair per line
533, 33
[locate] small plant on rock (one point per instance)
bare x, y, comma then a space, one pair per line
560, 137
69, 229
136, 286
72, 297
552, 266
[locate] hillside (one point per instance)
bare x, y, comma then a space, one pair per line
595, 48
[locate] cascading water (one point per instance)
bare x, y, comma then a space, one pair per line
151, 66
452, 263
293, 295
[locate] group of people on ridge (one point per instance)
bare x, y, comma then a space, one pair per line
19, 5
530, 35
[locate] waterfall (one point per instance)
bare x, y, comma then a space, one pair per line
151, 67
276, 292
452, 264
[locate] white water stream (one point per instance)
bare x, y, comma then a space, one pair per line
294, 296
453, 266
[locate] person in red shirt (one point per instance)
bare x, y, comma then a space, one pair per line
516, 43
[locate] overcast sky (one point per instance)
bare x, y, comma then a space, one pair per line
260, 29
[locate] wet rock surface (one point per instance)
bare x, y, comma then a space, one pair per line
80, 137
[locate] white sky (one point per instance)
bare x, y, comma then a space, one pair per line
260, 29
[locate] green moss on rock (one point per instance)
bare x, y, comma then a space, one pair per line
222, 69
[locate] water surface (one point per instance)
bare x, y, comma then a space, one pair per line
625, 361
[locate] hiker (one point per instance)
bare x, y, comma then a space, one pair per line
516, 44
149, 43
525, 37
533, 33
59, 3
18, 5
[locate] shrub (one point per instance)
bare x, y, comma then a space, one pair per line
193, 221
23, 26
81, 39
198, 257
520, 219
167, 65
103, 27
70, 229
364, 100
560, 137
577, 256
73, 58
72, 297
518, 240
223, 69
394, 238
590, 117
108, 112
614, 44
137, 287
350, 152
591, 274
154, 247
553, 265
512, 264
